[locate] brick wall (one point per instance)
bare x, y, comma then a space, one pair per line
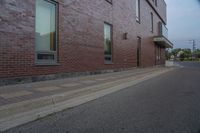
80, 41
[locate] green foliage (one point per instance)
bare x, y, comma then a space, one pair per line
183, 54
187, 53
197, 53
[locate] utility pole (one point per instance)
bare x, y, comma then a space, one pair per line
193, 49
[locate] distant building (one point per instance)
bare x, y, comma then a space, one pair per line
42, 37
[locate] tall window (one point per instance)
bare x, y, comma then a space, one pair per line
151, 22
45, 31
107, 43
156, 2
138, 10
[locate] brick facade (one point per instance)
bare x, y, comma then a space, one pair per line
80, 36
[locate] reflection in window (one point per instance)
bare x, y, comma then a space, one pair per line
107, 42
45, 35
138, 10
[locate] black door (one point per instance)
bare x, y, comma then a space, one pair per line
138, 51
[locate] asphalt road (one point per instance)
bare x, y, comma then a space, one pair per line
188, 64
169, 103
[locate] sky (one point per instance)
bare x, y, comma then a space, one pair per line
183, 22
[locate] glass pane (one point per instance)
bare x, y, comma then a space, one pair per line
137, 10
45, 26
164, 31
107, 39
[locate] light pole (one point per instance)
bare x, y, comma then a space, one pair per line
193, 48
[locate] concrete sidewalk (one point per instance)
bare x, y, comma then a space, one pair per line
20, 104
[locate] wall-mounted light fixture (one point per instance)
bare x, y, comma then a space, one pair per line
125, 36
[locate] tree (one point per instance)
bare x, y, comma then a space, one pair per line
174, 52
197, 53
187, 53
182, 55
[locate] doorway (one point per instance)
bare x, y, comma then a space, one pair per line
138, 51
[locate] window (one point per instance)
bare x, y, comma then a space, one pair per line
110, 1
151, 22
45, 32
138, 11
156, 2
107, 43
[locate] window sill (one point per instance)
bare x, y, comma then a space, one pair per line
108, 63
46, 64
138, 21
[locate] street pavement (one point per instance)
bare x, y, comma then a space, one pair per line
188, 64
168, 103
23, 103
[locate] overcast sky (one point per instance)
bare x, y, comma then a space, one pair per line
183, 22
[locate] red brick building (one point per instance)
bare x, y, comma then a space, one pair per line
47, 37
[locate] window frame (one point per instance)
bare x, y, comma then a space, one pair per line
54, 53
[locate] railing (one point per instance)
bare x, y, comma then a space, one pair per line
163, 30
